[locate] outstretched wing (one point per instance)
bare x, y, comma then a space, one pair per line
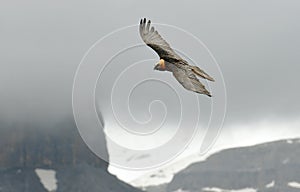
189, 81
152, 38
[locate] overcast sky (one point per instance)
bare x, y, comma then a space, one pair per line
256, 44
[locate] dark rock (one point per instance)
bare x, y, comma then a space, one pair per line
20, 179
25, 147
87, 178
246, 167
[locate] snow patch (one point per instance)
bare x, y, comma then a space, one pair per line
269, 185
285, 161
180, 190
212, 189
215, 189
294, 184
47, 178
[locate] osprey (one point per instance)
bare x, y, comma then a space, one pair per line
170, 61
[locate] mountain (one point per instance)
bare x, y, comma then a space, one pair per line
58, 147
269, 167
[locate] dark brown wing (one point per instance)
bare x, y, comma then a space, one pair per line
152, 38
189, 81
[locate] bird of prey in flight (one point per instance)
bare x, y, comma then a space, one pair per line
185, 74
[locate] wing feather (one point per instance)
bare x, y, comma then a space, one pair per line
153, 39
189, 81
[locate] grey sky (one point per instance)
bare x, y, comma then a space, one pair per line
254, 42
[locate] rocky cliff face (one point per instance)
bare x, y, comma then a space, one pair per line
40, 146
25, 147
269, 167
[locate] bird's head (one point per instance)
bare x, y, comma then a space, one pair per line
160, 65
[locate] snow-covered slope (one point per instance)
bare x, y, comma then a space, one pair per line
273, 166
47, 178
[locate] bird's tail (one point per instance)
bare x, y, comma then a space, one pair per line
198, 87
201, 73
